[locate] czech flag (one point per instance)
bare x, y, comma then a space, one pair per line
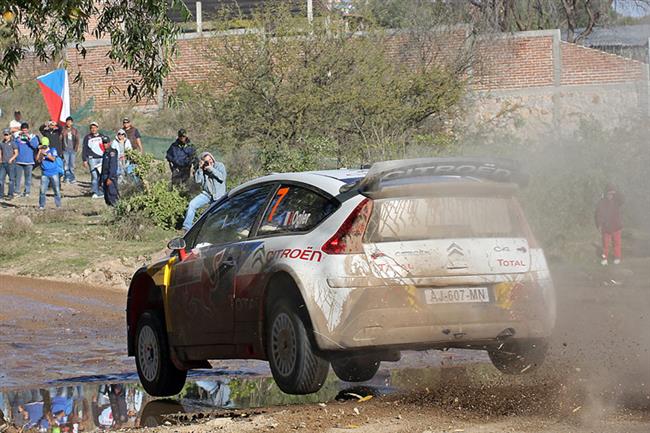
56, 93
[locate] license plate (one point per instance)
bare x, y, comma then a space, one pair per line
456, 295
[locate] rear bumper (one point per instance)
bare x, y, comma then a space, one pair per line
400, 317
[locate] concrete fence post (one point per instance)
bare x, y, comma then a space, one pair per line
557, 81
199, 18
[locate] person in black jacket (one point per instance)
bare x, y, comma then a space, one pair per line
181, 155
110, 163
52, 131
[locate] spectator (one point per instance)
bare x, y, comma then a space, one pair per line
18, 117
181, 155
9, 151
121, 144
610, 222
70, 140
27, 145
52, 131
91, 153
132, 134
212, 177
109, 173
14, 127
50, 173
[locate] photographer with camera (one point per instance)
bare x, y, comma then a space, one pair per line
51, 175
27, 146
211, 174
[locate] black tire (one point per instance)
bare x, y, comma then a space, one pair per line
519, 356
296, 368
158, 375
356, 369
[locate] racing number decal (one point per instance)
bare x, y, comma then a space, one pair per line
282, 192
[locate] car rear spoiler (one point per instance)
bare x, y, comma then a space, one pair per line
491, 169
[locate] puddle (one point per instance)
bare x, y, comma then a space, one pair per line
111, 402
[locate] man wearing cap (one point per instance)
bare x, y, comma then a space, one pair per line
70, 140
132, 134
181, 155
50, 173
8, 155
27, 144
52, 131
92, 152
109, 175
609, 222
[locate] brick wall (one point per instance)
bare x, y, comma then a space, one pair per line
509, 63
529, 60
581, 65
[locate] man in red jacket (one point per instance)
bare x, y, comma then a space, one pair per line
610, 222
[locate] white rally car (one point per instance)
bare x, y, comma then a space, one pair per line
348, 268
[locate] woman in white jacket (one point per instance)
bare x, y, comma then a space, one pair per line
121, 144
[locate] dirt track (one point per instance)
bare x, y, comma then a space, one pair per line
597, 379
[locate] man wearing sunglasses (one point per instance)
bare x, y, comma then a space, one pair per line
132, 134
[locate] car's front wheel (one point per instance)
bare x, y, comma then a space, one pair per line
356, 369
519, 356
296, 368
158, 375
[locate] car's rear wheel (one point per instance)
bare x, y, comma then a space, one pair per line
356, 369
519, 356
296, 368
158, 374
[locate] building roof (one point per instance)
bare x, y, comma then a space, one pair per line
633, 35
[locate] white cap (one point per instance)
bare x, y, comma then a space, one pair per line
14, 124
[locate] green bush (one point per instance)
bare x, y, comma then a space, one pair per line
150, 198
162, 205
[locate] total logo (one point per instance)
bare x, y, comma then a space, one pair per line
510, 263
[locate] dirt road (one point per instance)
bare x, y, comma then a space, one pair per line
596, 380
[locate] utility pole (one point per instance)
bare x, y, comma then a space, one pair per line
310, 11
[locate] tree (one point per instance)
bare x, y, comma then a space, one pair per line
300, 95
143, 38
578, 17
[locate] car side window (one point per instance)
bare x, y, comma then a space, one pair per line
233, 220
295, 209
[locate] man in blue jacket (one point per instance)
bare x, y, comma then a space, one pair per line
27, 145
181, 155
110, 165
47, 158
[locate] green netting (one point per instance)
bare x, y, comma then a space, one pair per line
154, 145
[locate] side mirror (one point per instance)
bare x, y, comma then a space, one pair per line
176, 244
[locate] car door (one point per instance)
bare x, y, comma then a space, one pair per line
203, 283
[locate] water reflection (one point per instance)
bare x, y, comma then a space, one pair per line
94, 407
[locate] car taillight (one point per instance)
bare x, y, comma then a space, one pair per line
348, 239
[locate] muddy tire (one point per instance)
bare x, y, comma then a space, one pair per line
158, 375
296, 368
356, 369
519, 356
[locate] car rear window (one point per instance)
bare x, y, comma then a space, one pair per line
443, 217
295, 209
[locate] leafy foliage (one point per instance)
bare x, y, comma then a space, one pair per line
152, 198
143, 38
302, 97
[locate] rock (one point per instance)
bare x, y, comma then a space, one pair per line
23, 222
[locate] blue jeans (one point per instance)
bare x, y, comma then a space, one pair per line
94, 164
7, 169
196, 203
24, 171
68, 165
46, 181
